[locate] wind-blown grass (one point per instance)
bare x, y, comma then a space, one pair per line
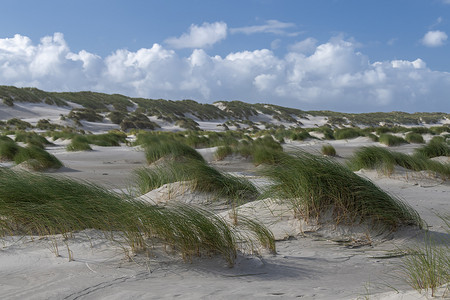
427, 266
32, 139
79, 143
347, 133
38, 159
385, 160
328, 150
203, 178
315, 185
391, 140
174, 149
223, 152
435, 147
8, 148
414, 137
43, 205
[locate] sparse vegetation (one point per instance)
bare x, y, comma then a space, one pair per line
43, 205
314, 185
391, 140
384, 160
427, 266
435, 147
347, 133
200, 176
416, 138
328, 150
37, 158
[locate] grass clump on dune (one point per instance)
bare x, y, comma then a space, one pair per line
110, 139
328, 150
8, 148
385, 160
43, 205
37, 159
32, 139
347, 133
79, 143
203, 178
391, 140
172, 148
315, 185
222, 152
427, 266
415, 138
435, 147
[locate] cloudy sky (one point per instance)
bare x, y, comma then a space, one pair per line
342, 55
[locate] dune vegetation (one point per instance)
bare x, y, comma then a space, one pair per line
201, 177
385, 160
34, 156
36, 204
314, 185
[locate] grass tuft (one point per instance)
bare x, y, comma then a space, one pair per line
328, 150
162, 148
427, 266
435, 147
385, 160
314, 185
38, 159
415, 138
391, 140
204, 178
36, 204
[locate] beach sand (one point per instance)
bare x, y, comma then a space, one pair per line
307, 265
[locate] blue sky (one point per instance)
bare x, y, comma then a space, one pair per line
342, 55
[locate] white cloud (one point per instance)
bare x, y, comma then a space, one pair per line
200, 36
331, 75
271, 26
434, 38
306, 46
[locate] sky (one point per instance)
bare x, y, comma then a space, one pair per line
340, 55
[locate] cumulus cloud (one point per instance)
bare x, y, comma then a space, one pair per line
271, 26
434, 38
200, 36
312, 75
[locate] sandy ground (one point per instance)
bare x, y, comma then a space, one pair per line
308, 266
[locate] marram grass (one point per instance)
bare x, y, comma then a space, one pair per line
328, 150
203, 178
37, 204
315, 185
427, 266
162, 148
385, 160
435, 147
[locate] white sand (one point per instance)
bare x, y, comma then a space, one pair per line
308, 263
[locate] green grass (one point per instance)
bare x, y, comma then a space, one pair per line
435, 147
328, 150
37, 158
347, 133
32, 138
391, 140
202, 177
8, 148
413, 137
315, 185
385, 160
79, 143
33, 204
174, 149
427, 266
223, 152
